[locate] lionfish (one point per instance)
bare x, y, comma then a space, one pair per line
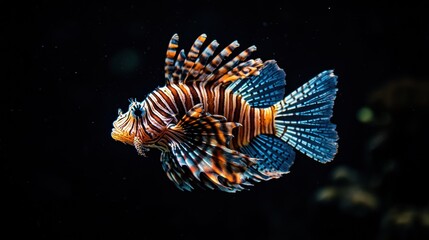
226, 126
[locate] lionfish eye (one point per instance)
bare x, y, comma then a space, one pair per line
136, 108
137, 112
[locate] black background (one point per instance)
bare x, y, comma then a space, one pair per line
71, 65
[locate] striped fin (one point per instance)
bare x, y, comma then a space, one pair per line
175, 173
178, 67
192, 55
303, 118
234, 62
203, 58
242, 71
180, 175
276, 156
211, 67
196, 66
199, 142
262, 90
170, 55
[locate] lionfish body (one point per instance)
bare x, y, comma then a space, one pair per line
226, 126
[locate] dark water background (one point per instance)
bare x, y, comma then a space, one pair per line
70, 66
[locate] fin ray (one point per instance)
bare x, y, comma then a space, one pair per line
178, 66
262, 90
192, 55
276, 156
211, 67
234, 62
170, 55
201, 62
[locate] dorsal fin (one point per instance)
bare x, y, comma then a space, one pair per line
197, 67
269, 86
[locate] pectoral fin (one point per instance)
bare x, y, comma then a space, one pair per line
199, 142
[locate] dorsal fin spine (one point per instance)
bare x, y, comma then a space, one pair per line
233, 63
192, 55
170, 55
203, 58
219, 58
178, 66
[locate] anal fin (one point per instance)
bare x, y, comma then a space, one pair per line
275, 156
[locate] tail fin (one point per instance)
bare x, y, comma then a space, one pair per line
303, 118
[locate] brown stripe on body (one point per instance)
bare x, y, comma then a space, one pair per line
177, 100
255, 121
193, 92
189, 101
156, 114
216, 99
251, 127
158, 105
151, 125
169, 99
210, 99
153, 121
163, 102
219, 101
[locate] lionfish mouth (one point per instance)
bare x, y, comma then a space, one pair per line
120, 136
124, 128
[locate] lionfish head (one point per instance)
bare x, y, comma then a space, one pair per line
129, 125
